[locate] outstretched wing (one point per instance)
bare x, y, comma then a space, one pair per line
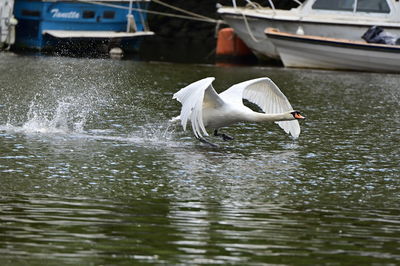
193, 97
264, 93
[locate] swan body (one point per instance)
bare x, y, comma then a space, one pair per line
205, 108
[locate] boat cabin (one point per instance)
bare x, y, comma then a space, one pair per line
384, 8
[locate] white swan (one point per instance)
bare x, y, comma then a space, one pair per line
205, 108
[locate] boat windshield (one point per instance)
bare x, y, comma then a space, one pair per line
374, 6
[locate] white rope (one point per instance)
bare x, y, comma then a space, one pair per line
251, 4
184, 11
198, 18
249, 30
298, 2
256, 6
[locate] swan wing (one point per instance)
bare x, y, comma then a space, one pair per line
264, 93
193, 97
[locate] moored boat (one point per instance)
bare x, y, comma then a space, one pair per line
347, 19
80, 26
309, 51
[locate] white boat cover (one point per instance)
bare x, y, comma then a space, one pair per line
63, 34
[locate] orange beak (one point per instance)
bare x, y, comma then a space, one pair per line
299, 116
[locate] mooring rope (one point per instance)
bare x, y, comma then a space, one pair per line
184, 11
249, 29
195, 17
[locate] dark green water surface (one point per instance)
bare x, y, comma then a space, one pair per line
92, 173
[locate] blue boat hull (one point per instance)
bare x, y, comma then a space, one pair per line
37, 17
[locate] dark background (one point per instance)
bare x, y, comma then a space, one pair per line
182, 40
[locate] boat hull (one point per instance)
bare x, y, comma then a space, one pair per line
250, 26
328, 53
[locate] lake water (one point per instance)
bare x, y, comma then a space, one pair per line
92, 173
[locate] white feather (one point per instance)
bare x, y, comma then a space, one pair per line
264, 93
193, 97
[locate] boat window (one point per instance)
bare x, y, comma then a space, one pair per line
341, 5
30, 13
88, 14
108, 14
375, 6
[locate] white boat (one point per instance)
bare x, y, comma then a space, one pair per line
7, 23
308, 51
347, 19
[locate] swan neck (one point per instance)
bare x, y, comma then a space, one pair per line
260, 117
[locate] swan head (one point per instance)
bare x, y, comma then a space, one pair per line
297, 115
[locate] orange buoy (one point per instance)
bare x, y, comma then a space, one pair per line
231, 48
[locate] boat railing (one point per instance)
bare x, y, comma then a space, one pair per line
355, 6
256, 5
130, 20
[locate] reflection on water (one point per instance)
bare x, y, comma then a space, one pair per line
102, 231
92, 172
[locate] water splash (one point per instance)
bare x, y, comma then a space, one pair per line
65, 115
74, 117
154, 133
69, 117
